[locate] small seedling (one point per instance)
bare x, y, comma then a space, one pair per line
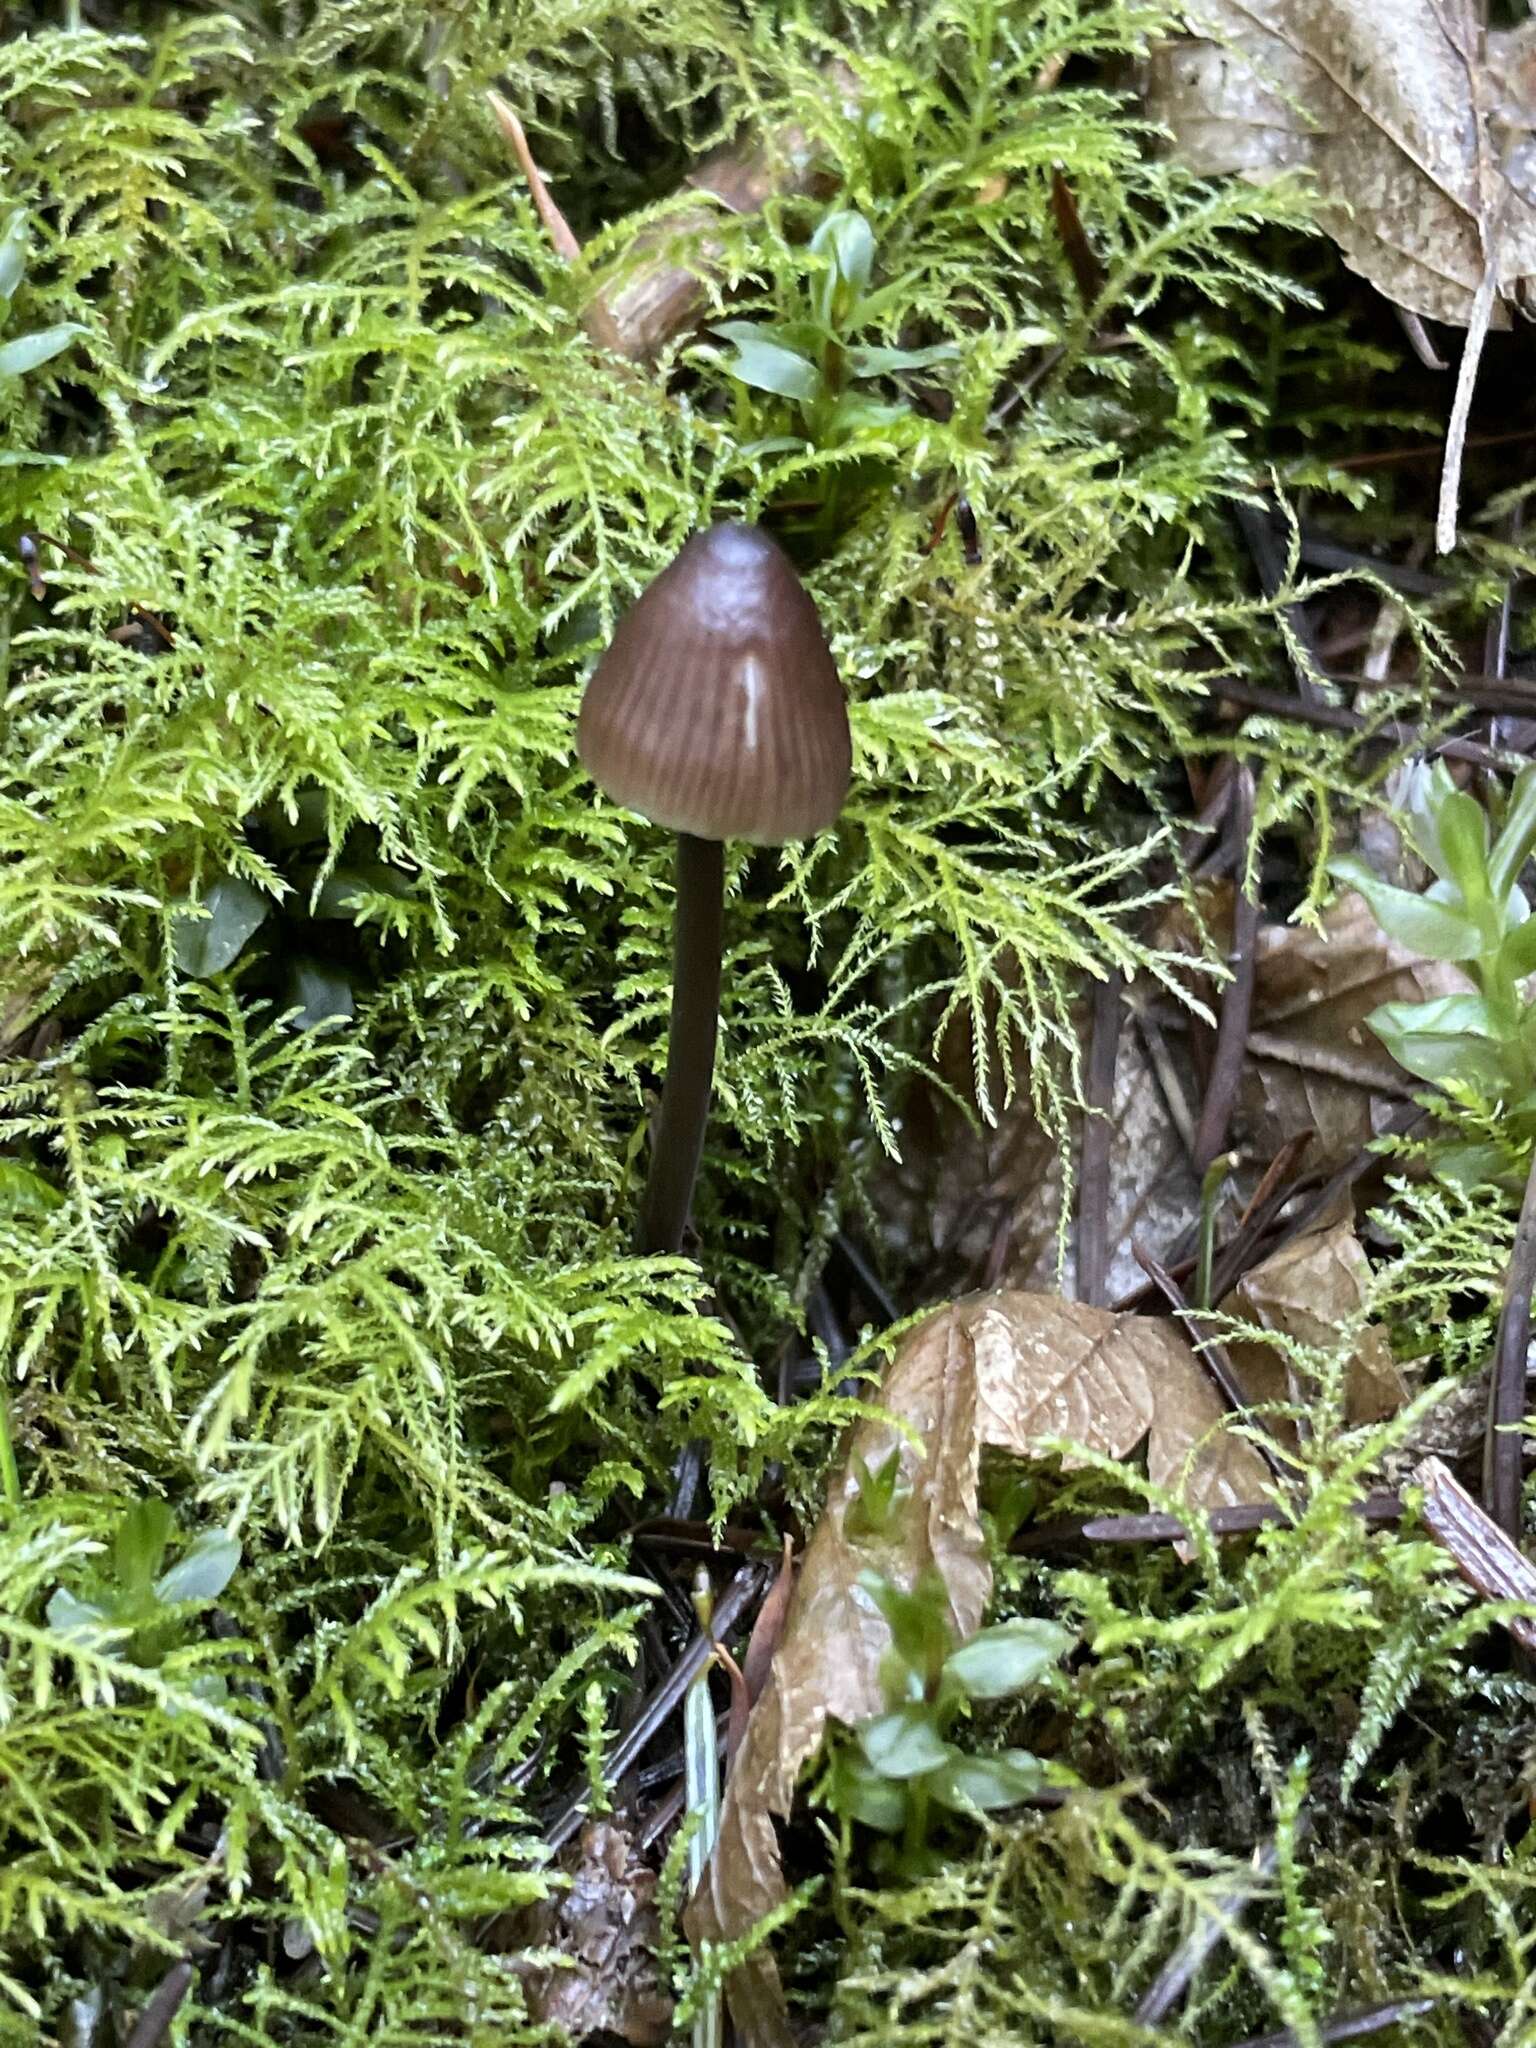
141, 1596
1480, 1049
813, 357
902, 1763
26, 352
882, 1496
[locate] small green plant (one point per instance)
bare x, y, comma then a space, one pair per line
142, 1599
813, 358
824, 359
1479, 1048
902, 1763
311, 962
882, 1496
26, 352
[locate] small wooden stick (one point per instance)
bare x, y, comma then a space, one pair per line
1237, 1002
1094, 1170
1506, 1392
162, 2006
1483, 1554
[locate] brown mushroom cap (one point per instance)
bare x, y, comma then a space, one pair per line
717, 709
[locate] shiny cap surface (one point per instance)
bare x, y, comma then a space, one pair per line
717, 708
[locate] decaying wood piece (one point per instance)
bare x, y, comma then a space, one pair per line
652, 296
1483, 1554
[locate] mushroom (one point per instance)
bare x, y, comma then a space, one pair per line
717, 712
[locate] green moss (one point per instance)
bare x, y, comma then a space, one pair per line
342, 457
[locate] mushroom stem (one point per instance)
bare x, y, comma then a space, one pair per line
678, 1138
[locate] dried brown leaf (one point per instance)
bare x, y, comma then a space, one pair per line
995, 1372
971, 1204
1316, 1063
1407, 118
607, 1924
1312, 1290
1415, 124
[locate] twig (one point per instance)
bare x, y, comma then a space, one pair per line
1348, 2026
1401, 1123
1319, 553
665, 1697
1269, 561
1424, 451
1237, 1002
1098, 1130
1156, 1048
1087, 272
596, 318
866, 1276
1269, 1198
164, 2002
1483, 1554
1418, 339
1461, 410
1241, 1519
84, 562
1168, 1987
1213, 1355
1506, 1391
1496, 635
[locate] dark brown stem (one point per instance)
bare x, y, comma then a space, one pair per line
1237, 1003
164, 2002
678, 1139
1094, 1170
1348, 2026
1506, 1394
1212, 1354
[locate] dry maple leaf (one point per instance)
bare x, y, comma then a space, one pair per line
1003, 1372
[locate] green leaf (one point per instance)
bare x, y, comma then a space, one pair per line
344, 887
864, 1794
319, 992
235, 912
881, 362
202, 1573
1471, 1166
904, 1743
921, 1636
1005, 1659
1435, 930
1426, 785
13, 252
1517, 955
984, 1783
142, 1535
1463, 827
847, 238
31, 351
1517, 835
766, 365
65, 1612
1450, 1039
858, 413
25, 1194
870, 1516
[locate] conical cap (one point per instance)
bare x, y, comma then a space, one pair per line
717, 709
